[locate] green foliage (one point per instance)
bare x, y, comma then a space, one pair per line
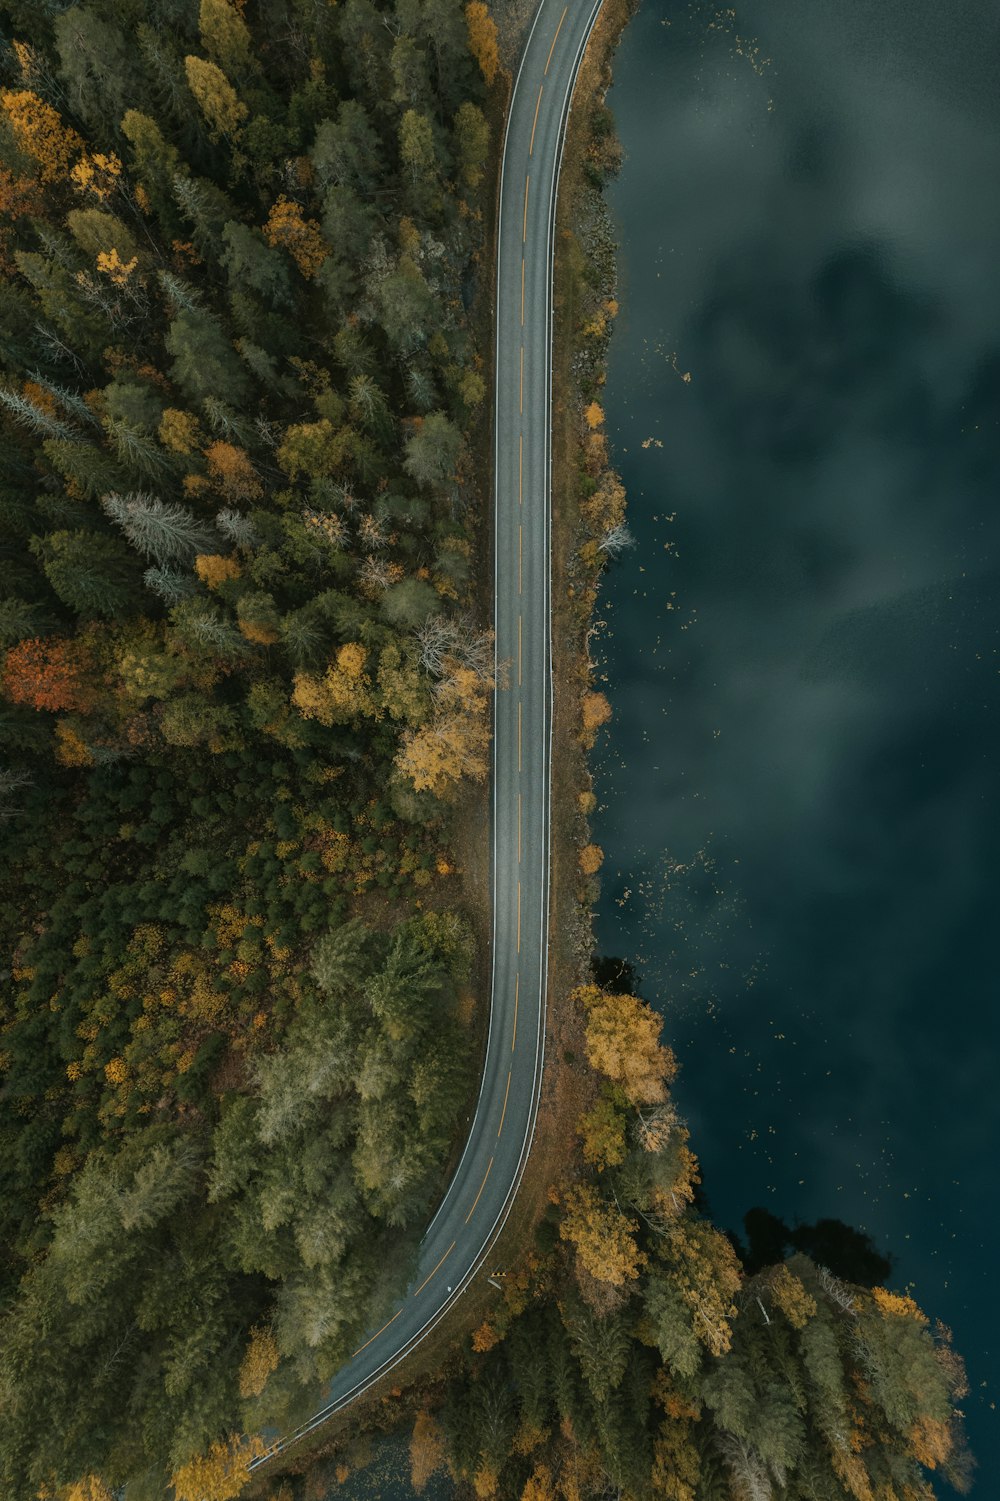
233, 295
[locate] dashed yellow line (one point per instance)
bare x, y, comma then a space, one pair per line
520, 550
376, 1335
519, 651
527, 185
481, 1187
521, 396
518, 917
518, 828
431, 1274
504, 1111
520, 469
522, 291
519, 737
531, 148
517, 986
555, 39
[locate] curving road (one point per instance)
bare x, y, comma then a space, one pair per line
481, 1194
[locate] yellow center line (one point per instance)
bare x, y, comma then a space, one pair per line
481, 1187
431, 1274
504, 1111
520, 469
519, 736
521, 397
518, 828
522, 291
520, 550
555, 39
518, 917
531, 148
527, 184
517, 986
380, 1331
519, 651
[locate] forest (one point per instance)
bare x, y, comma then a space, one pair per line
242, 679
638, 1352
243, 683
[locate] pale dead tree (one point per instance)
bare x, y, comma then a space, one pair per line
838, 1292
751, 1481
654, 1127
371, 532
445, 640
236, 527
268, 432
49, 341
616, 540
375, 575
332, 528
12, 782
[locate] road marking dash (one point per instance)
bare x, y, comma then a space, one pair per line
431, 1274
521, 396
481, 1187
554, 40
519, 735
517, 986
504, 1111
520, 469
520, 550
522, 291
531, 148
518, 828
518, 917
527, 185
377, 1333
519, 651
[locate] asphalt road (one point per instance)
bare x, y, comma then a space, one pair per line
482, 1192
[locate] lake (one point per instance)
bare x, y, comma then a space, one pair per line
799, 801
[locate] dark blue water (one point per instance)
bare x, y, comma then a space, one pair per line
800, 799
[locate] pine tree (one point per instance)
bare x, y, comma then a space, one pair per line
165, 532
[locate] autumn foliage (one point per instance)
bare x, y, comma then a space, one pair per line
427, 1449
48, 674
286, 226
623, 1043
219, 1474
483, 38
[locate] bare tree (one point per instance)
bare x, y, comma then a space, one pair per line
447, 639
616, 540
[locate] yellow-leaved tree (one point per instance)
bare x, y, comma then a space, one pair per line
623, 1043
603, 1237
39, 132
455, 741
220, 1474
260, 1360
343, 692
215, 96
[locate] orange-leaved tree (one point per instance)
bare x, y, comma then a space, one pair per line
47, 673
299, 236
483, 38
427, 1449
